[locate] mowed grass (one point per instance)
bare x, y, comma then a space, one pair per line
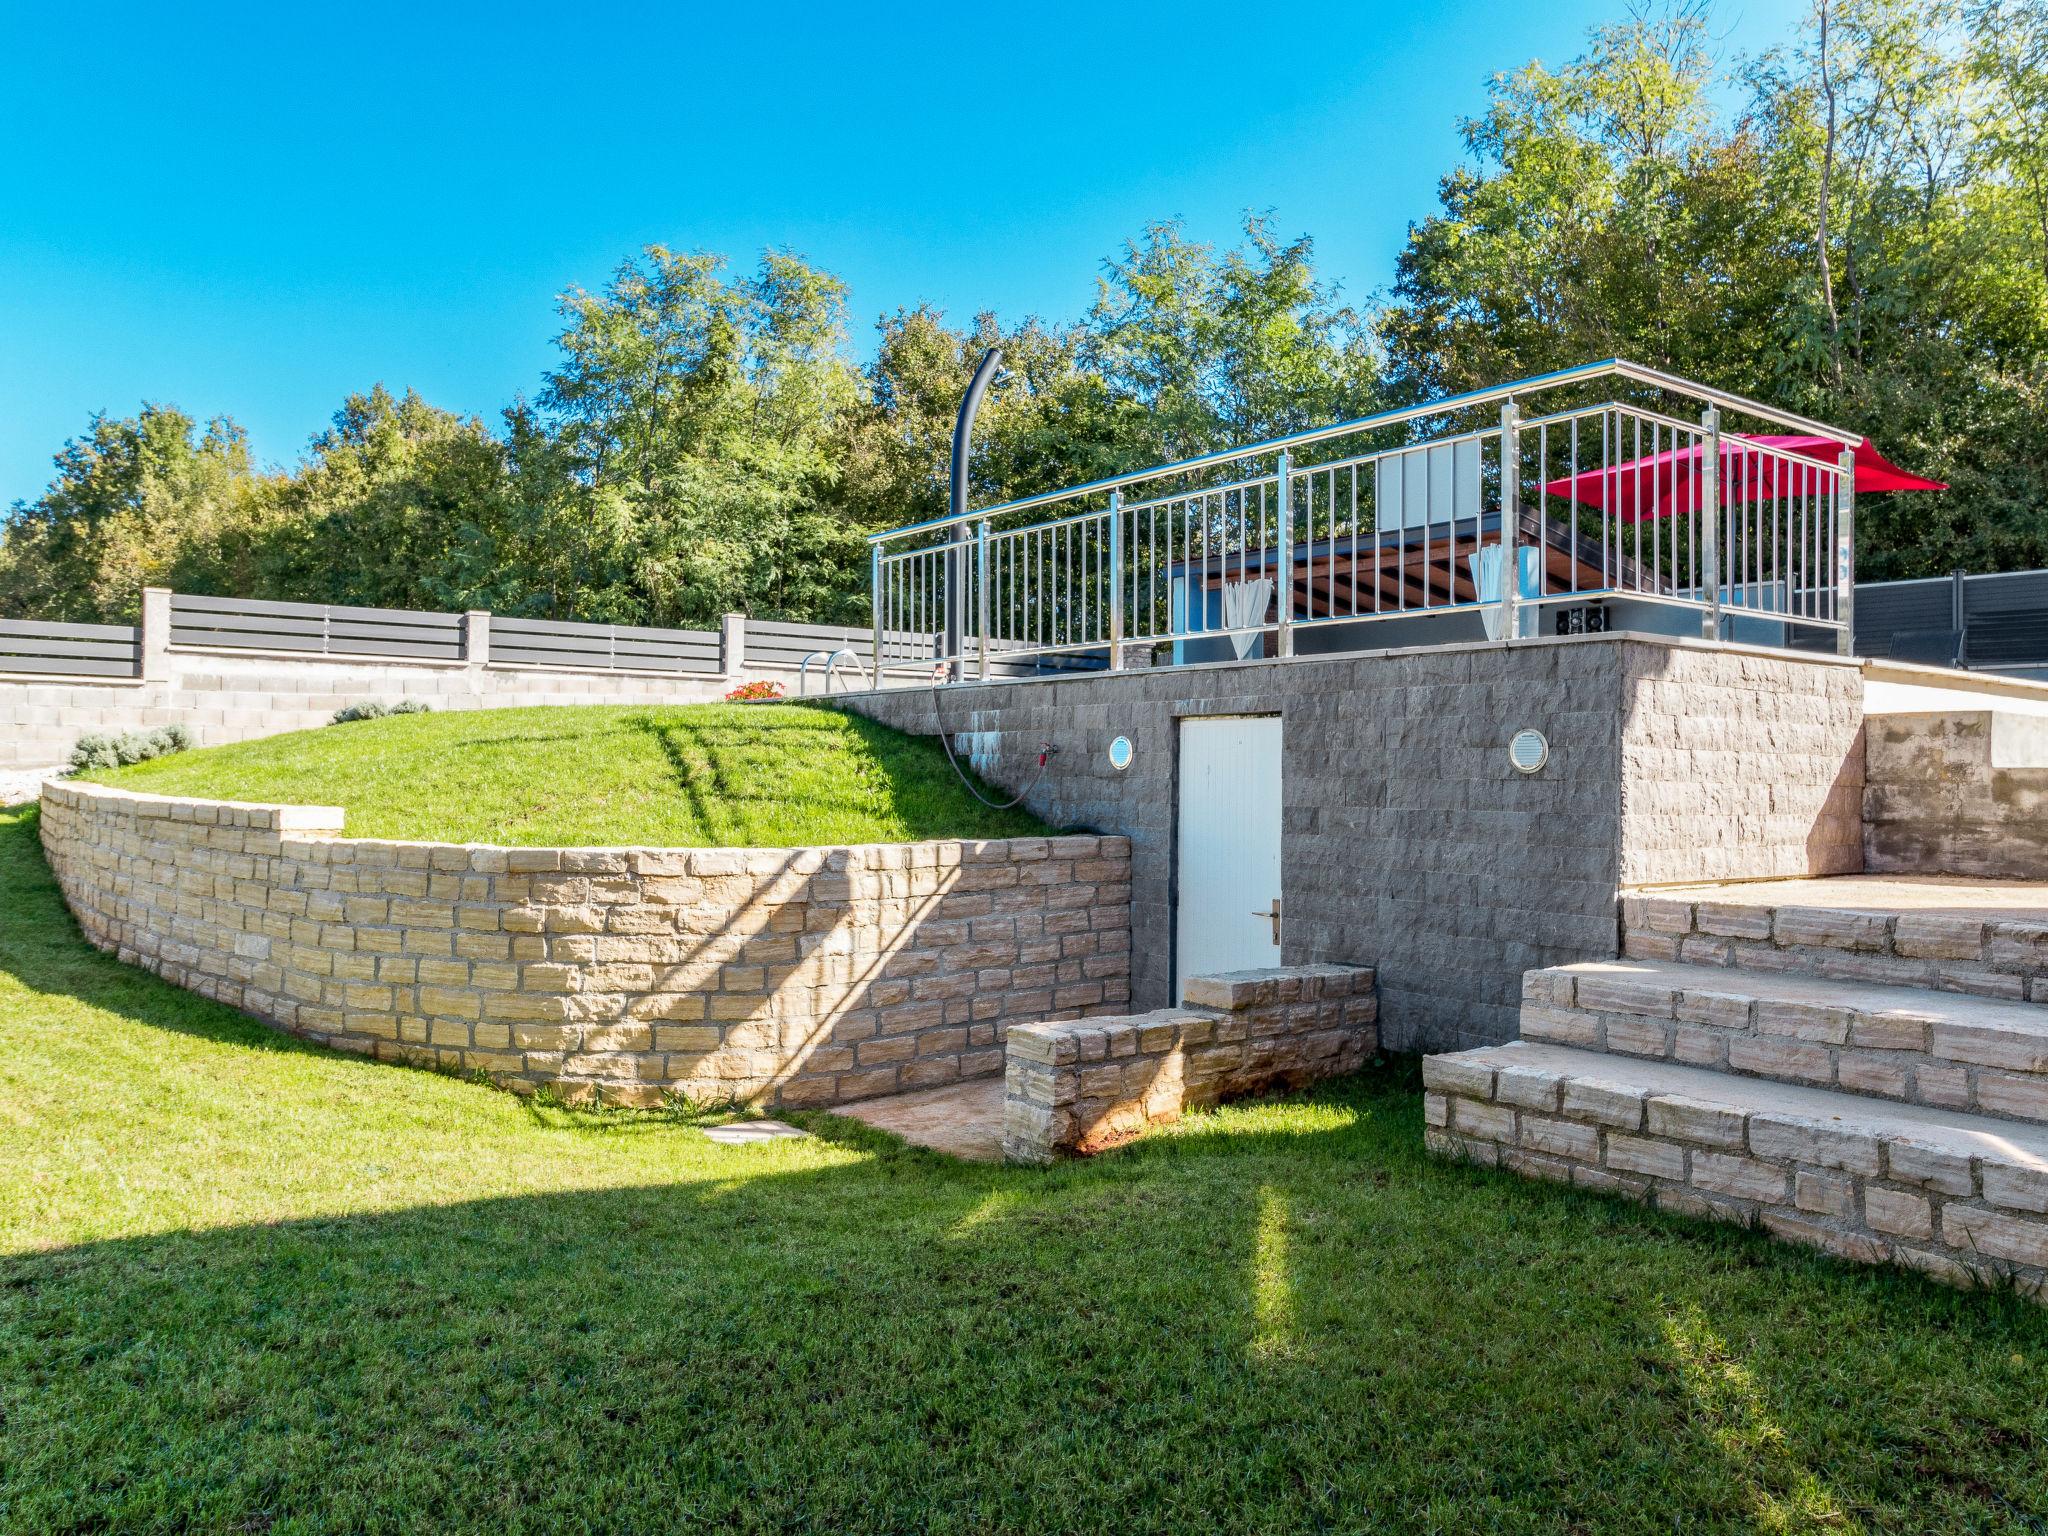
698, 776
248, 1285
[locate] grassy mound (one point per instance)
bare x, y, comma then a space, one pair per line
704, 776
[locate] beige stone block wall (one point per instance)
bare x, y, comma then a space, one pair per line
1739, 765
1080, 1085
770, 976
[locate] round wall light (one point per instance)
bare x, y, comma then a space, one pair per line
1528, 751
1120, 753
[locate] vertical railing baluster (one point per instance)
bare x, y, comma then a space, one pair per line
1116, 582
1510, 519
1284, 584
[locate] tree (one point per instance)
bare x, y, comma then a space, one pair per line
147, 500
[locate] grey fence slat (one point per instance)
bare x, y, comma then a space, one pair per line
557, 655
425, 634
558, 627
393, 648
247, 640
68, 666
182, 602
39, 629
105, 650
237, 624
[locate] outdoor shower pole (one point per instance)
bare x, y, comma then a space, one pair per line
956, 561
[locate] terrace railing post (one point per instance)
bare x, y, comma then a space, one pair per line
875, 606
1510, 520
1845, 554
981, 597
1710, 509
1283, 582
1116, 580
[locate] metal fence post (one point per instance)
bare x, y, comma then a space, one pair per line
875, 605
1845, 555
1116, 580
1284, 584
1710, 509
1511, 519
981, 596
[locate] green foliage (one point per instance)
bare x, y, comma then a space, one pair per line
96, 750
1890, 274
371, 709
760, 775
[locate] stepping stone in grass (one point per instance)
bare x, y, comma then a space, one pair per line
743, 1132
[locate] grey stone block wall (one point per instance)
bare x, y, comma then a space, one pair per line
1739, 766
1411, 845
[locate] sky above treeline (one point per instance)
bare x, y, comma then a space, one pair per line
254, 211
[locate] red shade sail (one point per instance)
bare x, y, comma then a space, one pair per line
1666, 484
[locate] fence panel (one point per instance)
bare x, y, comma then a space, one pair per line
314, 628
606, 647
70, 650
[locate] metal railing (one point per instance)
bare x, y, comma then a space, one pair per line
1638, 500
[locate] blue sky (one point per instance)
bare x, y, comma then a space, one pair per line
257, 212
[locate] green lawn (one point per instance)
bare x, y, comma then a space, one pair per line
705, 775
247, 1285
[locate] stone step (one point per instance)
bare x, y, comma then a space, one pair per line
1942, 1049
1989, 939
1960, 1197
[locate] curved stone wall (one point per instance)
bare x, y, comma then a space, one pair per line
773, 976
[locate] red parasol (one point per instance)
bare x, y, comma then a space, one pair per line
1665, 484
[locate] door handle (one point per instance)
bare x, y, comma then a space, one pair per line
1274, 914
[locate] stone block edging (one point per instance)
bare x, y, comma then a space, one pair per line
1084, 1084
789, 977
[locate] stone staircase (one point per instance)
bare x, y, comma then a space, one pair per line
1857, 1064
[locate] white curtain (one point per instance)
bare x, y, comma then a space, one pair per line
1486, 566
1244, 606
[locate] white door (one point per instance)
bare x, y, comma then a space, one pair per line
1228, 916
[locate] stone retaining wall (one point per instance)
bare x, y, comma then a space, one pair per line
1410, 842
775, 976
1078, 1085
1957, 793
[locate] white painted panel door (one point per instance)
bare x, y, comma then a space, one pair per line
1228, 846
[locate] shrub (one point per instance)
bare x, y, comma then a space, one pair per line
372, 710
746, 693
96, 749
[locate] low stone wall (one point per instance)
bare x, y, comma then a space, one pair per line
1957, 793
773, 976
222, 698
1079, 1085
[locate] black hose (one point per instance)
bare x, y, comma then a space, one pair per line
1045, 750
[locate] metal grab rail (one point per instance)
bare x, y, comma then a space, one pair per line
1611, 501
831, 660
